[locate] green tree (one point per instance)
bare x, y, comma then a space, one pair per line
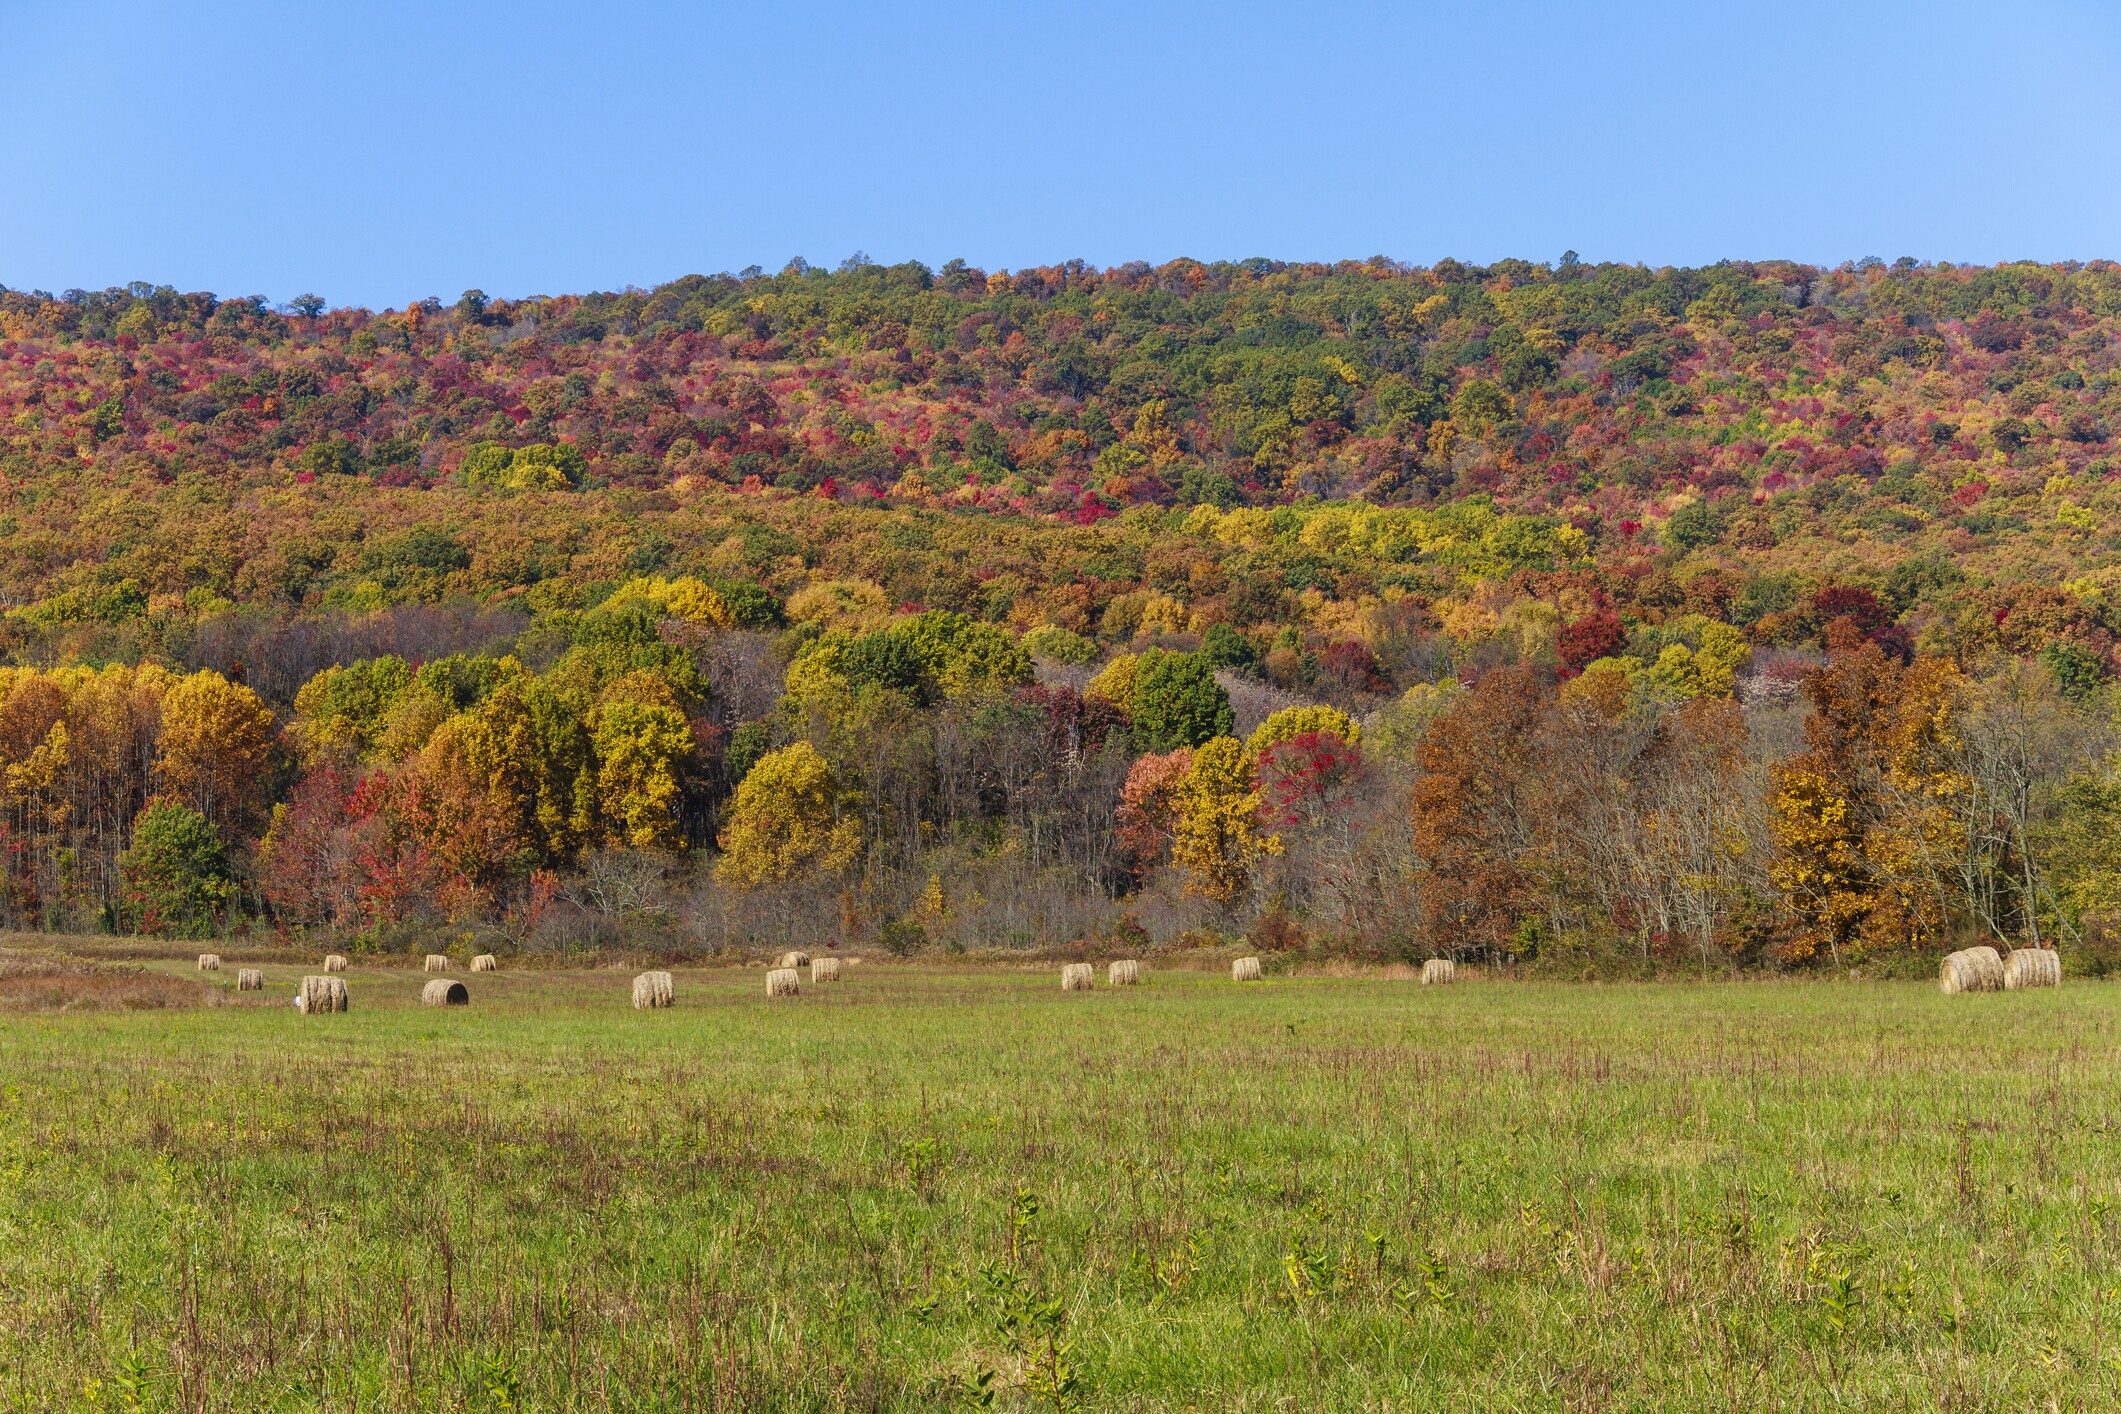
1224, 647
1178, 702
176, 874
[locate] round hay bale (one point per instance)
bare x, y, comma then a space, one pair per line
443, 992
209, 962
1124, 973
1439, 972
797, 958
1078, 977
333, 962
653, 989
2032, 967
1245, 969
1972, 970
485, 962
321, 994
824, 969
250, 979
436, 962
784, 982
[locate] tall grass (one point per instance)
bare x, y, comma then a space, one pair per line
929, 1188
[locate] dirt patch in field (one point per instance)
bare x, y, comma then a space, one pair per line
45, 982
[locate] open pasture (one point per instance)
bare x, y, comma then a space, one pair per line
926, 1186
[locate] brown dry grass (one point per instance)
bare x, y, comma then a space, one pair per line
42, 981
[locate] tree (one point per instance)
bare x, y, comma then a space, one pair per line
641, 748
1594, 636
1148, 807
1224, 647
176, 873
788, 822
1215, 836
1304, 778
1178, 702
305, 861
1288, 723
530, 747
1855, 816
1115, 682
1475, 808
216, 738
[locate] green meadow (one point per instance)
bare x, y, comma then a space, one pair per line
936, 1187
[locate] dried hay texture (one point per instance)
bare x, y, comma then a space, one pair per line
852, 961
824, 969
1439, 972
486, 962
2032, 967
1078, 977
436, 962
321, 994
209, 962
443, 992
1124, 973
49, 981
653, 989
1245, 969
333, 962
1974, 970
784, 982
794, 959
250, 979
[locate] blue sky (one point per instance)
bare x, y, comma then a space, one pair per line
383, 151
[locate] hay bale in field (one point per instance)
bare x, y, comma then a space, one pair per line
333, 962
321, 994
824, 969
250, 979
1078, 977
784, 982
1245, 969
653, 989
1124, 973
2032, 967
1973, 970
436, 962
209, 962
798, 958
1439, 972
443, 992
485, 962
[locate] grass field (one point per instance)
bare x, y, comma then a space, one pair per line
1306, 1194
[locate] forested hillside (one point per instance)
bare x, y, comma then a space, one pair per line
1402, 610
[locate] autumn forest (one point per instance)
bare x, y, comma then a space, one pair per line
1585, 617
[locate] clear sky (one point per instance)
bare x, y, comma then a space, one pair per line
381, 151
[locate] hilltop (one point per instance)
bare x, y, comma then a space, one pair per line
1732, 438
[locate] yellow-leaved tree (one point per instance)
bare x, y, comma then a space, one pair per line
1292, 722
642, 743
216, 737
1215, 836
790, 822
1115, 682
